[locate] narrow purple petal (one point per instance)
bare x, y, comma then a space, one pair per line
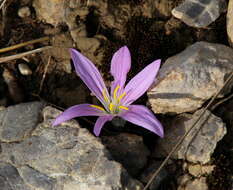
100, 123
138, 85
77, 111
90, 75
120, 66
142, 116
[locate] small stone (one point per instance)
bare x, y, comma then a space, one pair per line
230, 22
197, 170
199, 13
24, 12
186, 182
24, 69
126, 149
187, 80
199, 183
199, 145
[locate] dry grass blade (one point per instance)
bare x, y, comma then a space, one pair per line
2, 4
20, 55
43, 39
44, 75
184, 136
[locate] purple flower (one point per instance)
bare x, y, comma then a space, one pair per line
118, 102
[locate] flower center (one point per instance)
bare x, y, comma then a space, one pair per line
112, 105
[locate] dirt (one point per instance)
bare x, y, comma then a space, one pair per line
148, 39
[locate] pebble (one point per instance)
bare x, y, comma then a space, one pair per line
24, 69
24, 12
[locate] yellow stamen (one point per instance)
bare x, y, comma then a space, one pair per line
105, 96
121, 96
115, 92
97, 107
123, 107
111, 106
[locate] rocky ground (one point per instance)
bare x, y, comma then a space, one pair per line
194, 39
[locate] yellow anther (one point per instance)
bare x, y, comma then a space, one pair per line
121, 96
97, 107
123, 107
105, 96
115, 92
111, 107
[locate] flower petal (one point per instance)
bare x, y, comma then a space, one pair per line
142, 116
138, 85
100, 123
120, 66
77, 111
90, 75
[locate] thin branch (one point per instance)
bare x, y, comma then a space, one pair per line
44, 75
187, 133
3, 3
20, 55
43, 39
221, 102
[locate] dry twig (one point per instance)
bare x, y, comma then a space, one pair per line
43, 39
20, 55
44, 74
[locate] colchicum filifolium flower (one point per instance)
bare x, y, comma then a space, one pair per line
119, 101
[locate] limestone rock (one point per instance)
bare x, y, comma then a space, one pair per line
199, 13
65, 157
187, 183
17, 122
188, 79
230, 22
129, 150
195, 148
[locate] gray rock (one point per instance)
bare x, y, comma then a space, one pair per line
188, 79
129, 150
17, 122
230, 22
65, 157
10, 178
199, 145
199, 13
